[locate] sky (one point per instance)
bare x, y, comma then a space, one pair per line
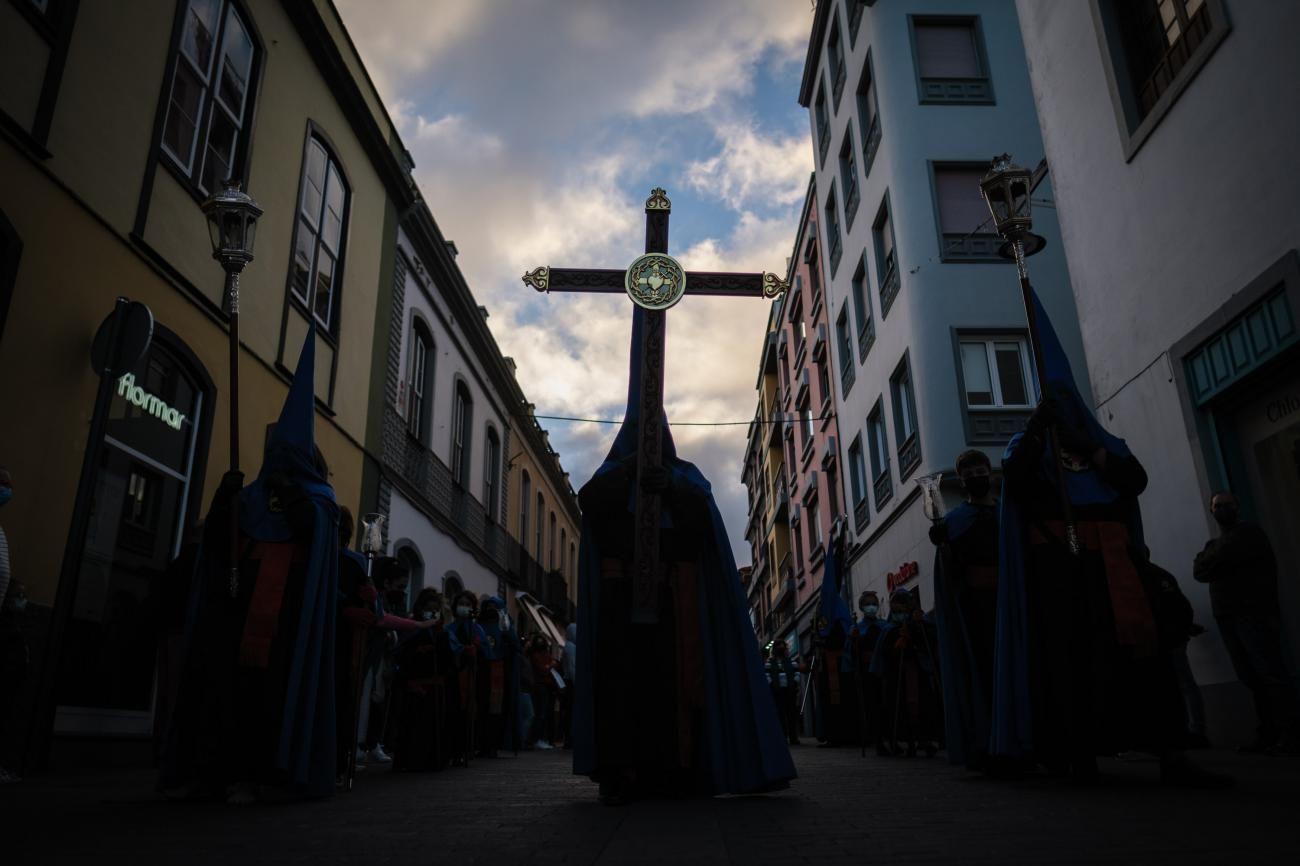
538, 129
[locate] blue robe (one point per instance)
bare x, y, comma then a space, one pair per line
740, 747
304, 743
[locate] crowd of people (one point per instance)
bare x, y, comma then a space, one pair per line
1054, 639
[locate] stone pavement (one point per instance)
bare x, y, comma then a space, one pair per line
530, 809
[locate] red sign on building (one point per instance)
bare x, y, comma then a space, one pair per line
906, 572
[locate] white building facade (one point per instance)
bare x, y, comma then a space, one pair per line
908, 101
1172, 130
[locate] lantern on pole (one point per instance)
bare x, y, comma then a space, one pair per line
232, 226
1007, 188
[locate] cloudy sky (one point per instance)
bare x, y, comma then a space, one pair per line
538, 128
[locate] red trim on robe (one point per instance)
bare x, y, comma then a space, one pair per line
263, 618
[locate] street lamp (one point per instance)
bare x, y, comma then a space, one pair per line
1007, 189
232, 225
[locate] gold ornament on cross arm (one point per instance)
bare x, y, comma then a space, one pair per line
774, 285
539, 278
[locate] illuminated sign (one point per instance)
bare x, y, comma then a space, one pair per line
906, 572
128, 390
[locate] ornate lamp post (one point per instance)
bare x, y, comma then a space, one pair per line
232, 225
1006, 189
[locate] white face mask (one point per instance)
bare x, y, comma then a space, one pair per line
870, 609
462, 611
426, 615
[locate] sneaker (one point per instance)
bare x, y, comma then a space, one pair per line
361, 757
377, 755
543, 745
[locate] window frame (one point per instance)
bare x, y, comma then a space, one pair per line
831, 228
980, 246
1134, 130
462, 425
836, 61
526, 493
821, 121
854, 9
190, 176
980, 86
879, 456
993, 425
491, 472
902, 390
331, 330
419, 420
888, 279
849, 180
858, 484
866, 95
844, 343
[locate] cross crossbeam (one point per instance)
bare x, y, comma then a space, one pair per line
610, 281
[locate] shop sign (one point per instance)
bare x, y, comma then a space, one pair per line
1282, 407
906, 572
128, 390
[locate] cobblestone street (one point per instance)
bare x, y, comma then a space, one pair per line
842, 809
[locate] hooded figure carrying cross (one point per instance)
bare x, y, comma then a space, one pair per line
671, 698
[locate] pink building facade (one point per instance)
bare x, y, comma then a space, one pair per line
791, 466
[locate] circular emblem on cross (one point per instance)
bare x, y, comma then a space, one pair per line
655, 281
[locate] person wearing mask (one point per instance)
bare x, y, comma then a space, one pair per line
424, 665
781, 676
543, 693
864, 639
1241, 570
497, 688
905, 662
466, 639
1078, 669
966, 606
384, 637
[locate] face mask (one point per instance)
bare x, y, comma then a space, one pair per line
977, 486
898, 617
1226, 515
426, 615
6, 493
462, 611
870, 609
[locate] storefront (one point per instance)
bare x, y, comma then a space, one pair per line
146, 492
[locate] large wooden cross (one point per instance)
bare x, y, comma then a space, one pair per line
655, 281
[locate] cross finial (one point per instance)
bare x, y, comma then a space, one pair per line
658, 200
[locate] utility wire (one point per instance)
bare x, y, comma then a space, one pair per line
679, 423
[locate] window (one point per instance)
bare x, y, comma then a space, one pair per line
855, 8
814, 280
1155, 48
462, 419
550, 544
823, 379
844, 346
904, 399
879, 444
797, 537
525, 494
996, 372
832, 223
996, 383
966, 231
950, 64
419, 382
319, 235
882, 231
868, 116
835, 52
823, 121
205, 133
858, 483
862, 309
849, 178
541, 509
564, 549
573, 560
806, 426
492, 474
814, 529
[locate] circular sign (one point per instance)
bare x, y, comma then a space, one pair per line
122, 339
655, 281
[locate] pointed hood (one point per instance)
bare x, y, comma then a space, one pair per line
291, 448
831, 605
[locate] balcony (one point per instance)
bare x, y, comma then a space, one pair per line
971, 248
866, 338
883, 487
861, 514
819, 343
909, 456
801, 388
956, 91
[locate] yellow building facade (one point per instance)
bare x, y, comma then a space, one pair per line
116, 121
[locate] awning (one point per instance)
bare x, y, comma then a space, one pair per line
542, 617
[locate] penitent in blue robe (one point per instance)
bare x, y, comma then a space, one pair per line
740, 747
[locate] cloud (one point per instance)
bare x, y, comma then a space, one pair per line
754, 169
538, 126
